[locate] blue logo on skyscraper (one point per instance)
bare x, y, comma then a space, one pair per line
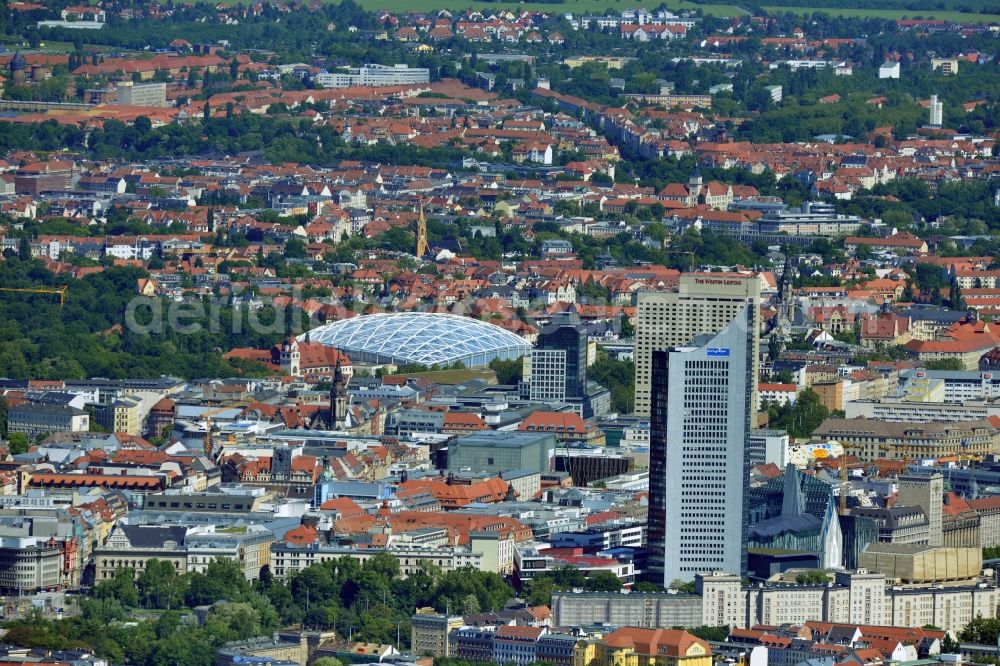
718, 351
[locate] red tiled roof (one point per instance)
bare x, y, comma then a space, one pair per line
555, 422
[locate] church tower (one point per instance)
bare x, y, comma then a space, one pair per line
694, 188
291, 357
338, 398
785, 290
421, 233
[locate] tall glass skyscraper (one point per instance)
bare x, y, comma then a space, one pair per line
702, 395
559, 360
699, 440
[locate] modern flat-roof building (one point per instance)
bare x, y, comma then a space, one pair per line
812, 218
496, 451
374, 75
958, 385
921, 412
29, 564
558, 363
769, 446
429, 632
141, 94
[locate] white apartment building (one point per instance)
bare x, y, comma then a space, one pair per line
855, 597
141, 94
374, 75
769, 446
779, 394
889, 70
958, 385
920, 412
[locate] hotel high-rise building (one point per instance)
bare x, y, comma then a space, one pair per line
703, 303
697, 349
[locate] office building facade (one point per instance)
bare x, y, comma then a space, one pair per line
856, 597
41, 419
559, 361
926, 492
700, 454
429, 631
141, 94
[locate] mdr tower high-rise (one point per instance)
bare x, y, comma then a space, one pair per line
702, 343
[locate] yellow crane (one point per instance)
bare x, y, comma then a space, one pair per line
58, 291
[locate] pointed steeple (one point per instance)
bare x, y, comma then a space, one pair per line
338, 397
793, 503
421, 232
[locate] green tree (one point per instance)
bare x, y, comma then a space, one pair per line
295, 248
801, 417
233, 621
159, 585
508, 372
327, 661
603, 581
945, 364
538, 591
981, 631
707, 633
682, 586
18, 443
121, 588
461, 589
618, 377
223, 579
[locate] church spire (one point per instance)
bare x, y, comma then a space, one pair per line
793, 503
338, 397
421, 233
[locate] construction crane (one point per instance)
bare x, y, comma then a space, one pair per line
58, 291
690, 254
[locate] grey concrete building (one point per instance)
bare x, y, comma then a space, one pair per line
497, 451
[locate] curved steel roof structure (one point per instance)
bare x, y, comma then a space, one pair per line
427, 338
